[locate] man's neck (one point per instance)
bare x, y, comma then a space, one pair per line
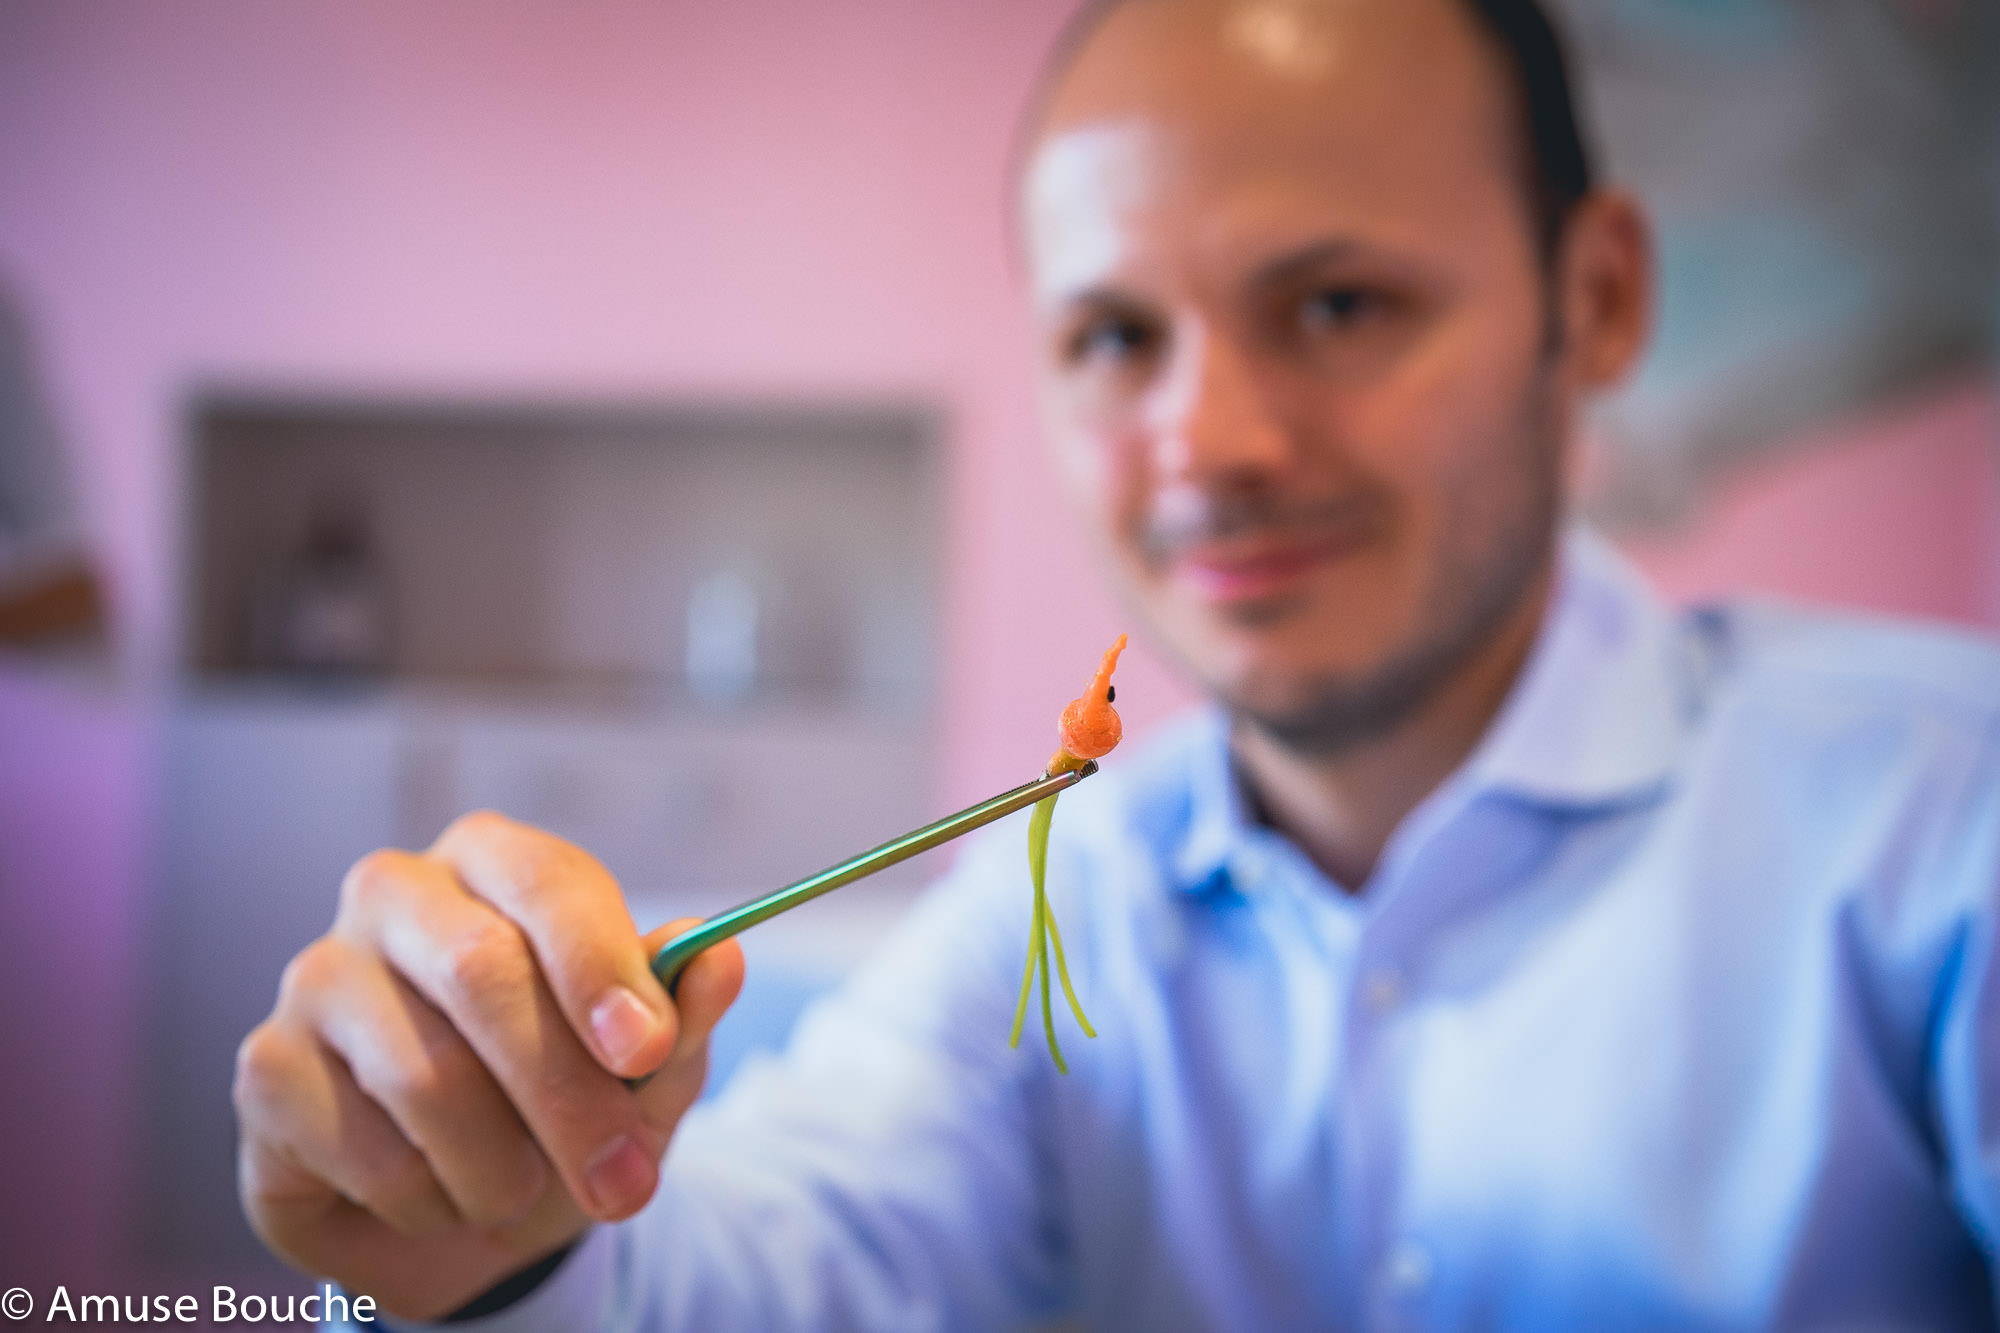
1342, 809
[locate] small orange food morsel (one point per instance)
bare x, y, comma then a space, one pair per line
1090, 728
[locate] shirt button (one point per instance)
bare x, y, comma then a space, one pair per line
1382, 990
1409, 1267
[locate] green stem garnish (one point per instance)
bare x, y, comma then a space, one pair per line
1042, 933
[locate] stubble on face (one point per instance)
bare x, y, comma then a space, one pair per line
1490, 557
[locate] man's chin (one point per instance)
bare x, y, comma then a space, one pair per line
1311, 700
1335, 716
1264, 689
1258, 614
1286, 651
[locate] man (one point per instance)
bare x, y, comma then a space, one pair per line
1500, 951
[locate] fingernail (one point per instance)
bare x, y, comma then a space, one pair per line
623, 1025
620, 1176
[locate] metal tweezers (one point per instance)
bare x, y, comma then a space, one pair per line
677, 952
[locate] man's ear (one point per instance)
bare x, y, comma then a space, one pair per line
1605, 283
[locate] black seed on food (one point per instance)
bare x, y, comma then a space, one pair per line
1111, 694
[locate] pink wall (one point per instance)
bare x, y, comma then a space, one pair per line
631, 198
1899, 512
71, 811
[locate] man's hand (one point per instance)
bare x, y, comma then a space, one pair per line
438, 1099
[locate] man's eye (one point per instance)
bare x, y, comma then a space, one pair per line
1112, 340
1335, 308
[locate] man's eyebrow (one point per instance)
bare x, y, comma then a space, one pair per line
1305, 259
1099, 296
1271, 272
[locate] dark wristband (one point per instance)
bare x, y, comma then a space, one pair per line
510, 1289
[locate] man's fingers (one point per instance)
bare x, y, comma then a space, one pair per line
574, 917
477, 968
706, 987
320, 1123
318, 1231
505, 954
413, 1064
703, 991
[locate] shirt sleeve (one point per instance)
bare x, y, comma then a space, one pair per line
884, 1173
576, 1296
1967, 1062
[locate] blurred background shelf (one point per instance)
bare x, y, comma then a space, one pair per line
721, 550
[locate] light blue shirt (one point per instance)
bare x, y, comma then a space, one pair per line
1673, 1008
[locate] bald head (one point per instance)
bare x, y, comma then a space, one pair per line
1114, 52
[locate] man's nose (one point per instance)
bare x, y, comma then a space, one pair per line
1211, 420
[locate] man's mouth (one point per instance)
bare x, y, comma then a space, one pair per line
1258, 569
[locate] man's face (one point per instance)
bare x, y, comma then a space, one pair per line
1294, 345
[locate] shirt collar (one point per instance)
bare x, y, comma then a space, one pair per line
1597, 718
1218, 819
1602, 706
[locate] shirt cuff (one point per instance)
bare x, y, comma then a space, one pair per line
575, 1298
